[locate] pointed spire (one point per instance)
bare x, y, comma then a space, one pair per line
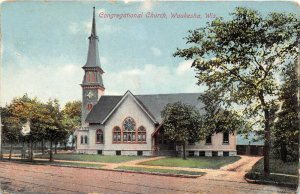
94, 34
93, 59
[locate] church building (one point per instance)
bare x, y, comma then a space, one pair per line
131, 124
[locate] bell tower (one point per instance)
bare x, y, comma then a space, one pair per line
92, 83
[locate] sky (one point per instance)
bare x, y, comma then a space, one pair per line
45, 43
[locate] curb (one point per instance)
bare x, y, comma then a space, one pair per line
129, 171
264, 182
113, 170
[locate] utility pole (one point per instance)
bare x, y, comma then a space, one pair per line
0, 137
298, 95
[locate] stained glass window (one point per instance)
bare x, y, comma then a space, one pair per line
116, 134
129, 130
141, 134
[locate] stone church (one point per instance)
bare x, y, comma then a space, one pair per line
131, 124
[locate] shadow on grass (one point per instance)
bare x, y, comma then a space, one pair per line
54, 163
284, 174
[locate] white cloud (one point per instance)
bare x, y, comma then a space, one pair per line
74, 28
184, 67
100, 10
147, 5
150, 79
156, 51
62, 80
86, 27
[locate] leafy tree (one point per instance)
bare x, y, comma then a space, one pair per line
217, 119
11, 128
182, 123
24, 109
54, 128
239, 60
72, 118
286, 132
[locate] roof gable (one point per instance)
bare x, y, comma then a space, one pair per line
129, 94
152, 105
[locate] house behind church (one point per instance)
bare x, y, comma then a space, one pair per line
131, 124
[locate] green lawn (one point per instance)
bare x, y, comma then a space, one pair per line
98, 166
276, 166
167, 171
194, 162
26, 161
92, 158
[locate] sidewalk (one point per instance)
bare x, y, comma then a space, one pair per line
231, 172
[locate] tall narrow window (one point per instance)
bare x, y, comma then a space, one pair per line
208, 139
89, 106
117, 135
226, 138
81, 139
99, 136
86, 139
93, 76
88, 76
129, 134
141, 134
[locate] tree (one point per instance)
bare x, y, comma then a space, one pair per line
239, 60
11, 128
182, 123
54, 127
72, 118
25, 109
286, 129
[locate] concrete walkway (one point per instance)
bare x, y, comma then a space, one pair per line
231, 172
236, 170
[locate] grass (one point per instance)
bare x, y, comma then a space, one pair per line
91, 158
288, 169
277, 166
165, 171
74, 164
194, 162
98, 166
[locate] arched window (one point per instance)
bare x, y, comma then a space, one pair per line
89, 106
117, 135
99, 136
129, 134
141, 134
86, 139
81, 139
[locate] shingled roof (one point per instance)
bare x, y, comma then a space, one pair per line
154, 104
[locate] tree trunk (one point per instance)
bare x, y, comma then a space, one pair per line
283, 152
184, 154
65, 145
10, 151
55, 147
51, 157
72, 146
31, 151
43, 143
23, 150
267, 143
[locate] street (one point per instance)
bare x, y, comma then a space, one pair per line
16, 178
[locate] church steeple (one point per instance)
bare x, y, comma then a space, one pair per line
93, 53
92, 83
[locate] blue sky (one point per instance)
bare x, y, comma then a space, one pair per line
44, 46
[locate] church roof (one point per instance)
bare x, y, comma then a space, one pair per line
153, 105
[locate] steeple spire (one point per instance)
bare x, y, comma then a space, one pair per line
93, 53
94, 25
